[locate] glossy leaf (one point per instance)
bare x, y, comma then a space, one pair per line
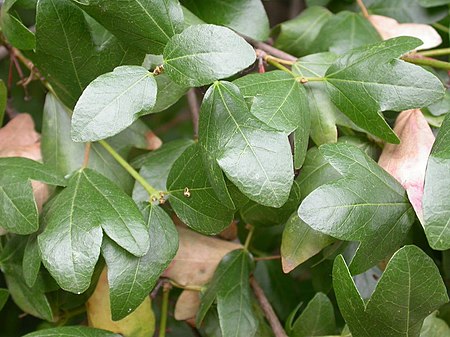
132, 278
410, 11
112, 102
346, 31
72, 331
345, 209
202, 54
70, 243
298, 36
69, 57
275, 98
192, 196
436, 206
18, 209
244, 147
368, 80
408, 291
235, 14
230, 288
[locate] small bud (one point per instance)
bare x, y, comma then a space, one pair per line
186, 192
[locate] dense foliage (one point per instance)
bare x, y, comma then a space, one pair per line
201, 168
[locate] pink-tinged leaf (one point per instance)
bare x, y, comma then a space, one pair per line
407, 161
389, 28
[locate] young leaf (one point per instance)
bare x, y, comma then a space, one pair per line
18, 209
345, 31
409, 290
112, 102
244, 147
72, 331
298, 36
436, 201
346, 210
70, 243
68, 58
146, 25
235, 14
275, 98
368, 80
192, 197
4, 293
231, 289
131, 278
202, 54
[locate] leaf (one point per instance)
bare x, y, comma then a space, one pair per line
231, 290
435, 195
244, 148
407, 161
72, 331
261, 216
433, 3
408, 291
132, 278
140, 323
202, 54
276, 98
317, 319
147, 25
17, 34
70, 243
112, 102
4, 294
389, 28
298, 36
344, 209
410, 11
31, 261
18, 208
434, 327
168, 93
300, 242
235, 14
345, 31
156, 165
359, 86
192, 197
69, 58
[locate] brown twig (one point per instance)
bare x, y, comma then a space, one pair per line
87, 151
194, 108
270, 50
267, 258
267, 309
363, 8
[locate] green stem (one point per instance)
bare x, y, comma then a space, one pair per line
279, 66
441, 27
249, 237
427, 62
149, 188
435, 52
164, 310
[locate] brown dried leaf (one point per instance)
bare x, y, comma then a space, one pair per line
187, 305
389, 28
407, 161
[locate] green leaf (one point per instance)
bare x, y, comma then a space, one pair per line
31, 261
155, 166
18, 209
231, 290
190, 18
407, 11
436, 202
4, 293
192, 196
168, 93
132, 278
112, 102
317, 319
255, 157
345, 209
3, 101
275, 98
434, 327
368, 80
68, 57
433, 3
300, 242
346, 31
301, 140
298, 36
146, 25
72, 331
408, 291
261, 216
17, 34
202, 54
235, 14
70, 243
